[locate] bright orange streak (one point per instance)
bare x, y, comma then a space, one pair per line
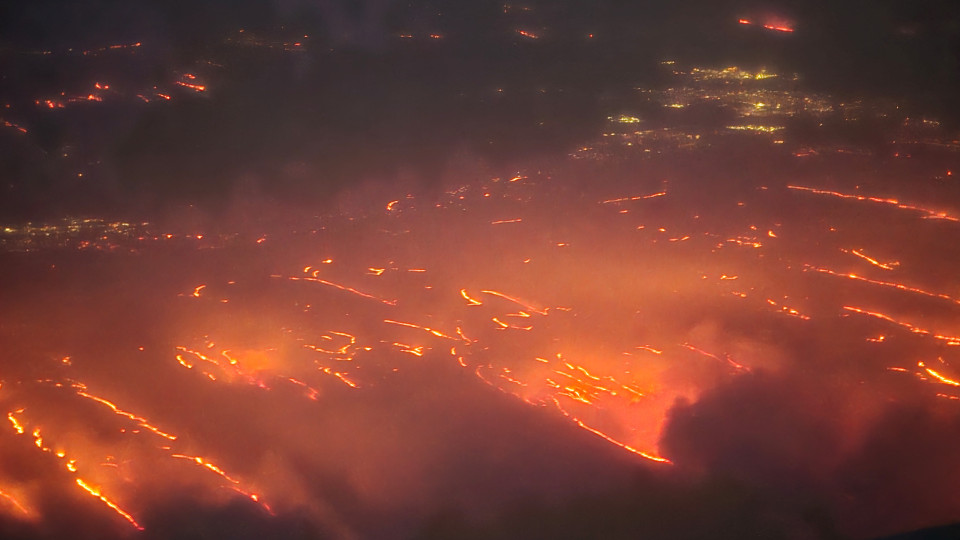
637, 198
590, 386
930, 214
195, 87
206, 464
788, 310
341, 350
142, 422
96, 493
744, 21
472, 301
951, 340
38, 440
498, 222
15, 126
512, 380
197, 289
418, 327
527, 34
715, 357
608, 438
778, 28
345, 380
890, 284
878, 264
343, 288
312, 393
14, 502
938, 376
464, 336
504, 326
16, 425
515, 301
195, 353
744, 241
416, 351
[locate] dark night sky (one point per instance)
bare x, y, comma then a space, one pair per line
361, 103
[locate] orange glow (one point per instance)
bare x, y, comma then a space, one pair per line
194, 87
344, 288
409, 349
418, 327
16, 424
19, 128
515, 301
634, 198
142, 422
471, 301
207, 465
928, 213
951, 340
885, 266
726, 358
778, 28
891, 284
110, 504
788, 310
938, 376
604, 436
13, 501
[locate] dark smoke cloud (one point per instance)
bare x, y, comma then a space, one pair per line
872, 468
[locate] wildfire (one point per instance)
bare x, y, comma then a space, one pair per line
928, 213
110, 504
606, 334
890, 284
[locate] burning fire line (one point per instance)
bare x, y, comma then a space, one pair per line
142, 422
929, 214
206, 464
636, 198
13, 501
604, 436
726, 358
859, 253
891, 284
788, 310
937, 375
515, 301
341, 287
470, 300
110, 504
436, 333
951, 340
